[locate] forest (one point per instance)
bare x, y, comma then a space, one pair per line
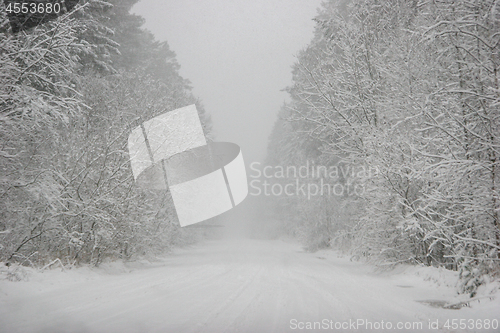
71, 90
407, 90
410, 90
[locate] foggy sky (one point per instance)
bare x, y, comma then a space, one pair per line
238, 55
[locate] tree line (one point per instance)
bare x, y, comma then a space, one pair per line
71, 90
410, 89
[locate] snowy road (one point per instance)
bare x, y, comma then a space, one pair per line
227, 286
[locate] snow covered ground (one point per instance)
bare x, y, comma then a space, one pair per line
238, 285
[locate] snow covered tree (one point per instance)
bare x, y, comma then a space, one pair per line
68, 102
408, 89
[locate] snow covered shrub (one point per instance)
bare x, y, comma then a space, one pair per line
14, 273
471, 276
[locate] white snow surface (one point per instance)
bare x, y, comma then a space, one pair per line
239, 285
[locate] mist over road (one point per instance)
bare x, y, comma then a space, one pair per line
238, 285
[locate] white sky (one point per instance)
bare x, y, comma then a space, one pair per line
238, 55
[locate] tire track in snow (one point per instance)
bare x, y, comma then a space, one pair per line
219, 286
